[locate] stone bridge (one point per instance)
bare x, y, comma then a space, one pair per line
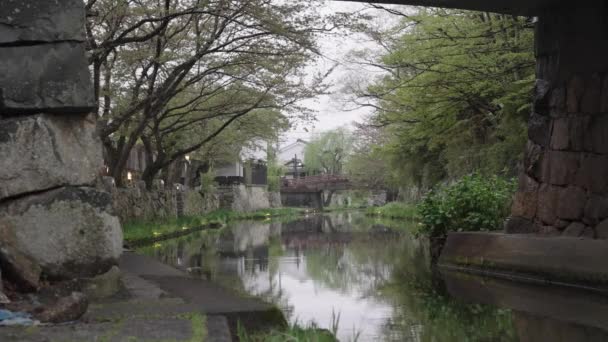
52, 216
312, 191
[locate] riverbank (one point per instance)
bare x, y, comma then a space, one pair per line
154, 301
137, 233
393, 210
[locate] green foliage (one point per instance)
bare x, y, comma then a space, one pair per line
456, 95
275, 170
445, 318
199, 327
173, 75
474, 203
294, 333
328, 153
208, 182
394, 210
138, 230
368, 165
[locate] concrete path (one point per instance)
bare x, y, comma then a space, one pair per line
159, 303
203, 295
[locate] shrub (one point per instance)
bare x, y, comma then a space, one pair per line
474, 203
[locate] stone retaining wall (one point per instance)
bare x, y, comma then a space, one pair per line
564, 187
137, 203
247, 198
52, 219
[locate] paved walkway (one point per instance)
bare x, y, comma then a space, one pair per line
161, 303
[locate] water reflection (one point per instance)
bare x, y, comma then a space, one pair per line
374, 274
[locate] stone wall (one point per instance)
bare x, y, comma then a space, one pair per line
564, 187
52, 219
247, 198
138, 204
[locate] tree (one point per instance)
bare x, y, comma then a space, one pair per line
455, 94
161, 67
367, 166
328, 153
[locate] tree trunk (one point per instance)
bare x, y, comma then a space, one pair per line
327, 200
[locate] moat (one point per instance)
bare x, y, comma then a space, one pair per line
373, 280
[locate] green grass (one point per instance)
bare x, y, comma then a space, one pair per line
297, 333
293, 333
393, 210
138, 230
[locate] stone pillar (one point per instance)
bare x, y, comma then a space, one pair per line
563, 189
51, 216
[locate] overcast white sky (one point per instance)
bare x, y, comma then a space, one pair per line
332, 112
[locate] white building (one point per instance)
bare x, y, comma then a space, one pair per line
235, 171
290, 155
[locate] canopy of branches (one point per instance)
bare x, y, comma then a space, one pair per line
327, 153
173, 75
455, 96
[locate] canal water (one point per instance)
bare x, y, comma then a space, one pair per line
371, 280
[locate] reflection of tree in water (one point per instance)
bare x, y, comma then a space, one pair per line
360, 265
349, 254
423, 311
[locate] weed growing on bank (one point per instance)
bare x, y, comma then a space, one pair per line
474, 203
138, 230
297, 333
393, 210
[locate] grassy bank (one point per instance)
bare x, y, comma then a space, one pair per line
138, 232
393, 210
295, 333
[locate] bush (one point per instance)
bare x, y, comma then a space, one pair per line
474, 203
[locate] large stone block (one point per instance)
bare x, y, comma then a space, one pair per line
69, 232
559, 135
591, 99
592, 173
526, 183
599, 133
41, 21
559, 167
524, 204
548, 197
571, 203
519, 225
596, 209
604, 99
557, 101
539, 129
19, 268
578, 133
45, 78
572, 134
533, 160
576, 89
45, 151
542, 97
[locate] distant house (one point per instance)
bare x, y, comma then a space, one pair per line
250, 169
292, 157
